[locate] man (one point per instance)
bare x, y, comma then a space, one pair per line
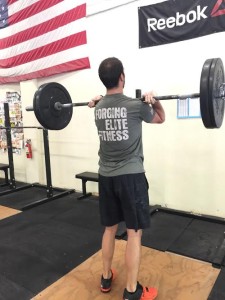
123, 187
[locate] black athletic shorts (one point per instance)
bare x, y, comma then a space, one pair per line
124, 198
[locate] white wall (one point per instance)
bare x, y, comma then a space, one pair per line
184, 162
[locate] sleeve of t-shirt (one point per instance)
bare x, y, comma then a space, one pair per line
147, 112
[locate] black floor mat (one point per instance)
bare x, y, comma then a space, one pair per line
25, 269
47, 252
10, 290
83, 213
39, 246
223, 263
121, 231
19, 199
200, 240
165, 229
218, 291
42, 244
4, 187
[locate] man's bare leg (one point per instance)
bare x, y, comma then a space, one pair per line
108, 246
132, 258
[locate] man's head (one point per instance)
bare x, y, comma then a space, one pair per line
111, 72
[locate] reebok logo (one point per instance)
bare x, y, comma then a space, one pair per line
179, 20
218, 9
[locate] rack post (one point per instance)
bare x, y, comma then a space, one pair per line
47, 164
12, 182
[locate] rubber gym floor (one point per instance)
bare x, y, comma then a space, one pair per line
52, 251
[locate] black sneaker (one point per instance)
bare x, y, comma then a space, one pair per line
140, 293
133, 296
107, 283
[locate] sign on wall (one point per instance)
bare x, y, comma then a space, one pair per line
15, 113
178, 20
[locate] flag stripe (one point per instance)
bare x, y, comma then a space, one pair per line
52, 24
50, 61
15, 6
79, 64
43, 38
74, 40
42, 17
31, 10
10, 2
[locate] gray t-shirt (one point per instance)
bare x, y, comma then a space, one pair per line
118, 119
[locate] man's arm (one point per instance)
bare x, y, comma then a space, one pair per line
159, 116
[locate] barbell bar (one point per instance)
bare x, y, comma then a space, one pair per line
59, 105
20, 127
53, 106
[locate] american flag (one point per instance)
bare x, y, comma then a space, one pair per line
40, 38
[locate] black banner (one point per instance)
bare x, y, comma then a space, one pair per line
178, 20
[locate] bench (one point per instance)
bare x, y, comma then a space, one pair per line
5, 168
86, 176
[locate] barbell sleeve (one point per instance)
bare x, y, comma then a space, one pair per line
222, 90
29, 108
59, 105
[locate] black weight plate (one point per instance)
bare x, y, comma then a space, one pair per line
38, 105
216, 103
43, 103
204, 94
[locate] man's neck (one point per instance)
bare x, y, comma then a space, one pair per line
117, 90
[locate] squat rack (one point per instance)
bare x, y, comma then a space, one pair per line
12, 183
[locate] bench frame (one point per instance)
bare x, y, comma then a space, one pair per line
86, 176
5, 168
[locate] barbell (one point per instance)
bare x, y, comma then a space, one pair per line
53, 106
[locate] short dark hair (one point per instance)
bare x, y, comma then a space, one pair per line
109, 72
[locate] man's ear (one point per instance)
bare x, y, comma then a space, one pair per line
122, 77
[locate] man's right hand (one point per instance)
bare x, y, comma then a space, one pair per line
93, 101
